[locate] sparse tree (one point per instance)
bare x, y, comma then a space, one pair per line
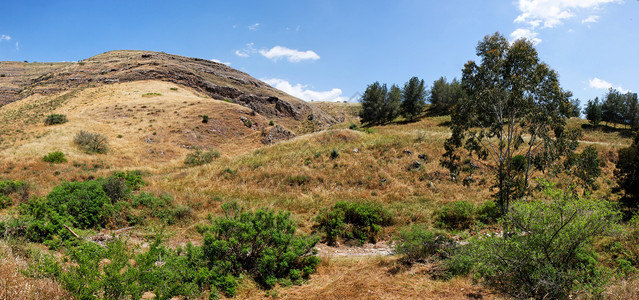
575, 110
513, 104
414, 98
627, 174
392, 103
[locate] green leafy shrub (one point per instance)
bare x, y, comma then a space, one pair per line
161, 208
488, 212
547, 252
55, 157
334, 154
205, 119
54, 119
420, 244
458, 215
5, 201
352, 221
199, 157
91, 142
151, 94
262, 243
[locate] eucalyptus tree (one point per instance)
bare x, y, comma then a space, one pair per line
512, 119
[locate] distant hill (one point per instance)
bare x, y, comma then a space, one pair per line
19, 80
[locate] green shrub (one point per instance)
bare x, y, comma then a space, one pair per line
262, 243
174, 89
5, 201
334, 154
205, 119
458, 215
488, 212
54, 157
91, 142
199, 157
547, 252
271, 123
352, 221
151, 94
54, 119
420, 244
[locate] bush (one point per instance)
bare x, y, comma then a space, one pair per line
54, 157
262, 243
488, 212
627, 174
458, 215
334, 154
205, 119
91, 142
547, 251
54, 119
199, 157
353, 221
5, 201
420, 244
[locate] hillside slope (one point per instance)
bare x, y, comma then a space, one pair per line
218, 81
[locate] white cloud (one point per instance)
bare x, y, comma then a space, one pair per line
597, 83
527, 34
17, 46
220, 62
254, 27
590, 19
302, 91
551, 13
4, 37
292, 55
246, 52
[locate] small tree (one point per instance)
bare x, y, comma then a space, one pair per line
444, 95
627, 174
593, 112
414, 98
586, 166
513, 104
373, 103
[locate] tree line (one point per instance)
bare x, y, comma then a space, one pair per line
614, 108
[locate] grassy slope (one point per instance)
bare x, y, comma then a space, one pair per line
298, 175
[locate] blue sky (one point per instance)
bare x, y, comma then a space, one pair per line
330, 50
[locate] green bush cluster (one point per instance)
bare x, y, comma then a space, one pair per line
91, 142
55, 157
547, 251
199, 157
54, 119
462, 215
11, 187
420, 244
353, 221
94, 204
261, 244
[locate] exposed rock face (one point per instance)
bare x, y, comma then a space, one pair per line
214, 79
276, 134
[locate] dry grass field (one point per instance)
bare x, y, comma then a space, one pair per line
152, 125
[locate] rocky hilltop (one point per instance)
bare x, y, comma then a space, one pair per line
19, 80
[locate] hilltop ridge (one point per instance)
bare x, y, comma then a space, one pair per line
218, 81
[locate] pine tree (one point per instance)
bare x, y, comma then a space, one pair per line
414, 98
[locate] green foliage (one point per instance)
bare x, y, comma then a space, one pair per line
297, 180
627, 174
420, 244
379, 105
585, 166
532, 104
413, 98
5, 201
161, 208
262, 243
618, 108
546, 251
151, 94
458, 215
54, 157
91, 142
199, 157
352, 221
205, 118
444, 96
593, 112
488, 212
334, 154
54, 119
